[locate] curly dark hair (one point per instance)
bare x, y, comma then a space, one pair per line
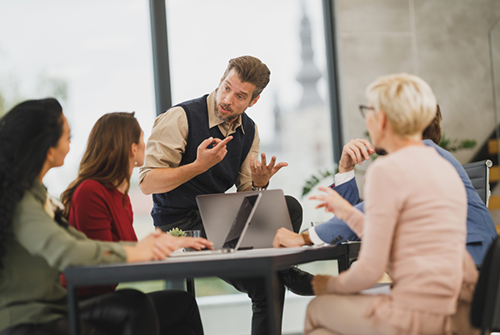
27, 132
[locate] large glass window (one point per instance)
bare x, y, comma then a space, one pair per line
94, 56
292, 114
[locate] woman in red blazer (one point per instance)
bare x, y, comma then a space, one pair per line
97, 203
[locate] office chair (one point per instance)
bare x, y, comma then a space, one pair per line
479, 174
485, 307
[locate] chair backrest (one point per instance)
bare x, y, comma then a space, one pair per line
479, 174
485, 307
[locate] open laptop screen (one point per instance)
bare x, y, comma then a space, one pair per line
219, 210
240, 222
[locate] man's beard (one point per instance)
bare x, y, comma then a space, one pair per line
228, 118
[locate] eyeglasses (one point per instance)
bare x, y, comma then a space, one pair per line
363, 109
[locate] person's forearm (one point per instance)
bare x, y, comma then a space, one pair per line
163, 180
345, 168
137, 254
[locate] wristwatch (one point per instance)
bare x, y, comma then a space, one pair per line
306, 238
255, 188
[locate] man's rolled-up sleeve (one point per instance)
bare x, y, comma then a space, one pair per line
167, 142
244, 180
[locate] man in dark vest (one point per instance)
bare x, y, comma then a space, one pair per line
207, 145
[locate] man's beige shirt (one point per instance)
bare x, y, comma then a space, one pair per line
168, 140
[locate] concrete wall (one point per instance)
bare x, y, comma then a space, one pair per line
443, 41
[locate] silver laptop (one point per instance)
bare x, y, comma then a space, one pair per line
235, 232
271, 214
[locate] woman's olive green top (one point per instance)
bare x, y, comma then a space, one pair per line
38, 250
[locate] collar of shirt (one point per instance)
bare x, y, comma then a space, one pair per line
50, 205
226, 128
39, 191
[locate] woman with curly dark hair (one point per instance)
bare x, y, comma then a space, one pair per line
36, 242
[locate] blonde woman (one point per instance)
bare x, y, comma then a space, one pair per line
414, 227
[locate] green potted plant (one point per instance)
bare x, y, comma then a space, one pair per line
176, 232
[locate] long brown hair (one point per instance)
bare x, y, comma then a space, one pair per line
106, 157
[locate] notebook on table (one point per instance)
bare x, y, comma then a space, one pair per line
237, 229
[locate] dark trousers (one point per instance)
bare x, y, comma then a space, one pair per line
127, 312
253, 287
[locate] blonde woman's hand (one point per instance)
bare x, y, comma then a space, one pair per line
332, 202
319, 284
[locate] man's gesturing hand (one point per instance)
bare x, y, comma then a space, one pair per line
208, 157
261, 173
355, 152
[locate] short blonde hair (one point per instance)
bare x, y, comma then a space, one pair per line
407, 100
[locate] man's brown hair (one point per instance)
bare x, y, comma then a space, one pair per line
250, 70
433, 130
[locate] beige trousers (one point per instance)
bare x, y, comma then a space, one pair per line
342, 315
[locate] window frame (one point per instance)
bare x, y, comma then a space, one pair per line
161, 67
